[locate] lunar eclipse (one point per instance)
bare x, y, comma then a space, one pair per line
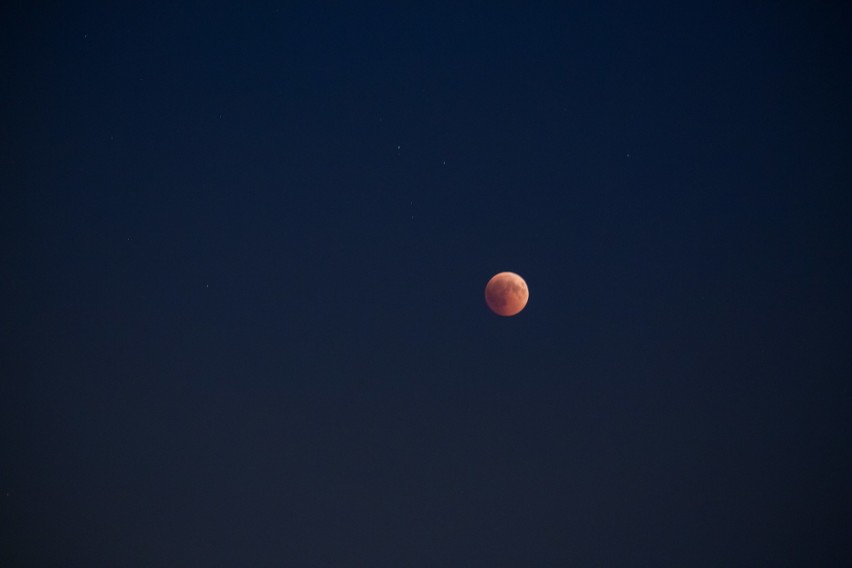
506, 294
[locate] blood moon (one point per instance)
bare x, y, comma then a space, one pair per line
506, 294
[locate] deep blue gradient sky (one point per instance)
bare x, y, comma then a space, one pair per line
244, 249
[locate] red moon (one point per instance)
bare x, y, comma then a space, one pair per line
506, 294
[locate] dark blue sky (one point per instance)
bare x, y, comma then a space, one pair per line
244, 254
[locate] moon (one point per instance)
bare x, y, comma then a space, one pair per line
506, 294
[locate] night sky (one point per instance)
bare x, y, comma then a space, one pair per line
244, 253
